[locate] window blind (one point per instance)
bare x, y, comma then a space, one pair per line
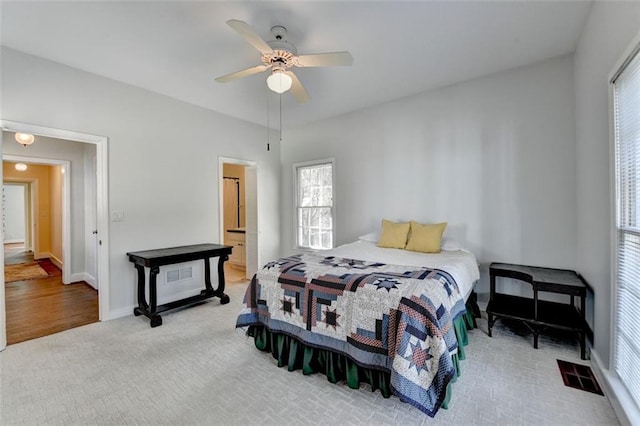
314, 184
626, 98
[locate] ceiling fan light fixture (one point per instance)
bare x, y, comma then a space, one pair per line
24, 138
279, 82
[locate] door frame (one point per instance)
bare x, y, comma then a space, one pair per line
66, 207
240, 162
102, 210
27, 188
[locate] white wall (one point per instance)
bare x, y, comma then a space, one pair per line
157, 147
14, 214
494, 157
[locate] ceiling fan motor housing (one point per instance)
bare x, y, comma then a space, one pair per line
283, 51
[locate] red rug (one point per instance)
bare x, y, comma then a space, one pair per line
48, 266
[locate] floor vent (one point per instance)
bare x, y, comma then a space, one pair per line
579, 377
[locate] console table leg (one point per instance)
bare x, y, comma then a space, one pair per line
224, 299
207, 275
142, 302
153, 289
535, 340
155, 320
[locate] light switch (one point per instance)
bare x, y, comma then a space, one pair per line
117, 216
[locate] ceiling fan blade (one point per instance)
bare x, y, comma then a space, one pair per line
243, 73
297, 89
333, 59
247, 32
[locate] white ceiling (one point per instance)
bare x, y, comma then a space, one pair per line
177, 48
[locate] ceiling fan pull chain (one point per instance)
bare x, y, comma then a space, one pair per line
268, 128
280, 95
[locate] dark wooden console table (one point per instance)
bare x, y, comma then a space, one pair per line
153, 259
539, 314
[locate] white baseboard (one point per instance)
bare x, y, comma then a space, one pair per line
55, 261
89, 279
119, 313
179, 296
76, 278
14, 241
123, 312
623, 405
42, 255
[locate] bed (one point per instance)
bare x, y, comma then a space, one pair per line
392, 318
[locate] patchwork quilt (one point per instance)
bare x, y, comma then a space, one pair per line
388, 317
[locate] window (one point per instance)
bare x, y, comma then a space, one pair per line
626, 116
314, 204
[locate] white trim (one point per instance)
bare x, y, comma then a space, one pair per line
295, 166
55, 261
247, 163
89, 279
618, 391
102, 209
221, 162
127, 311
26, 185
76, 278
3, 313
23, 240
122, 312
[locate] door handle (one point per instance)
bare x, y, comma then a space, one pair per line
94, 232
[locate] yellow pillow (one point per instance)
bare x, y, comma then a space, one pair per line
426, 238
394, 235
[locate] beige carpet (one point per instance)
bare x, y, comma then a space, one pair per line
197, 369
23, 271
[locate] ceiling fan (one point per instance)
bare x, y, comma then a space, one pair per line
279, 55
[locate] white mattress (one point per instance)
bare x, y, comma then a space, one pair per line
462, 265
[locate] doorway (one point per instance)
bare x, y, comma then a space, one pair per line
16, 221
101, 212
238, 216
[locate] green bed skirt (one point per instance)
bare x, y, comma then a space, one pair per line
296, 355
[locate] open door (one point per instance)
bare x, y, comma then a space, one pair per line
251, 203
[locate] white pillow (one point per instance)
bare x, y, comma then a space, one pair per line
373, 237
450, 244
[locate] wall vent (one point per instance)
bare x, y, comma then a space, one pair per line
173, 275
186, 273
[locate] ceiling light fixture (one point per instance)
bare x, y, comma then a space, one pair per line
279, 82
24, 138
21, 167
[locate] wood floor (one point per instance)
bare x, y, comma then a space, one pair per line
39, 307
233, 275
